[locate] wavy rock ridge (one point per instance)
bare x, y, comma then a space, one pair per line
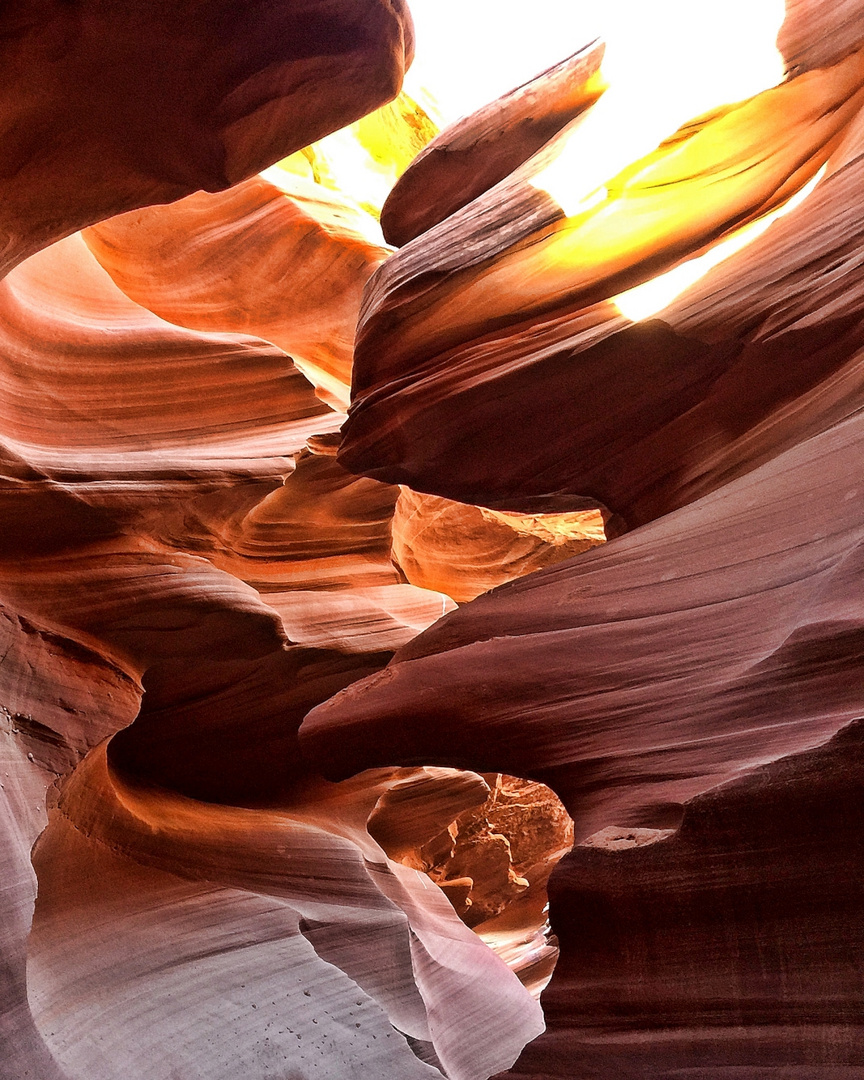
315, 660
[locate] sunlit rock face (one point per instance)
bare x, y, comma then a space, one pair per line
474, 154
281, 908
465, 550
504, 312
85, 369
290, 270
492, 861
344, 588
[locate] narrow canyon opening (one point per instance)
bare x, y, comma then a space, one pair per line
493, 863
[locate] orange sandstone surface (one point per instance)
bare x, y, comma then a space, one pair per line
411, 664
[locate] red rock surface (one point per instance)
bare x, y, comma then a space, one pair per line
287, 265
322, 950
728, 948
243, 720
502, 313
646, 670
477, 152
464, 550
111, 107
632, 680
86, 369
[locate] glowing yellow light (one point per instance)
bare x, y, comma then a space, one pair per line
652, 296
555, 529
363, 161
665, 63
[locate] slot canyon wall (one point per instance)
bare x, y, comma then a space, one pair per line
411, 665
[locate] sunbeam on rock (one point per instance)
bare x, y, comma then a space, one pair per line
431, 636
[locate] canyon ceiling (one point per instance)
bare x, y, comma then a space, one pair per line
432, 547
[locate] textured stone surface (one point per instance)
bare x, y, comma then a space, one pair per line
465, 550
503, 313
242, 718
316, 942
283, 263
728, 948
476, 153
87, 370
111, 107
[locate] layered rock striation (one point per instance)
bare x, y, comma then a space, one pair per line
315, 661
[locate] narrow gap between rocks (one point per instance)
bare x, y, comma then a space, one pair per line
493, 863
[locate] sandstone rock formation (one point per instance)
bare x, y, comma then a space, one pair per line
762, 877
300, 714
85, 368
508, 301
484, 148
465, 550
287, 265
281, 910
228, 92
